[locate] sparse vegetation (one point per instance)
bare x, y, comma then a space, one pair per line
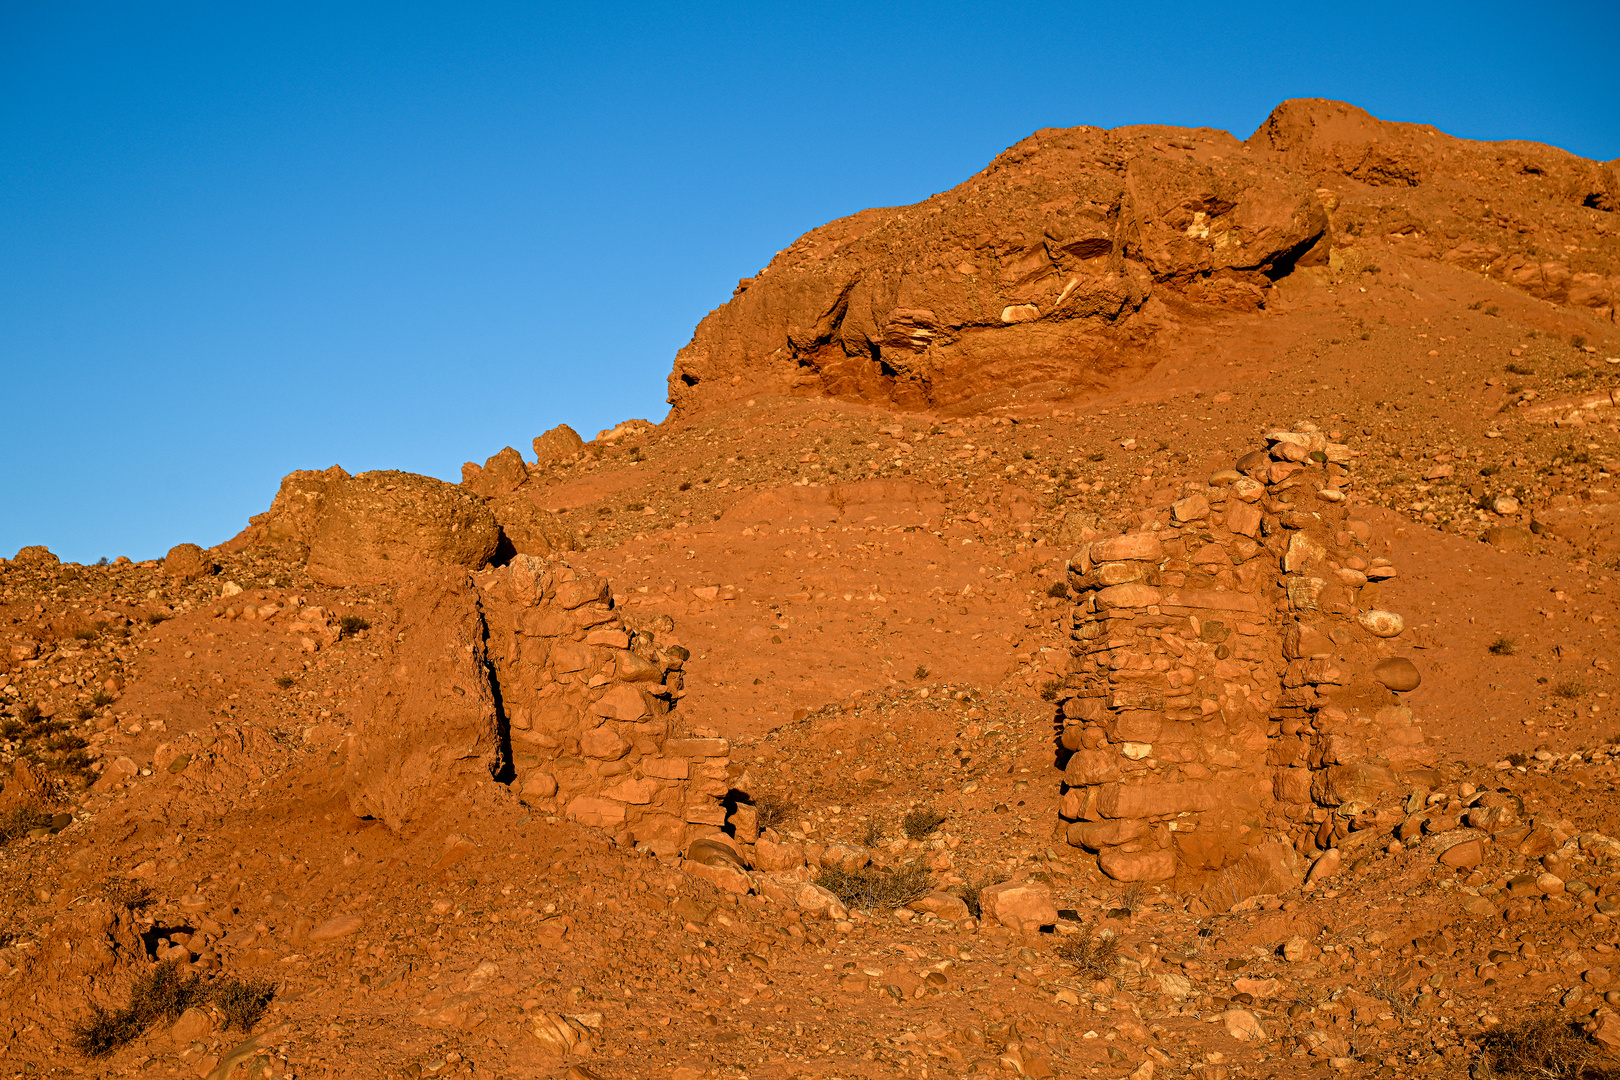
771, 811
1050, 689
130, 894
1543, 1047
1569, 689
15, 824
969, 891
920, 673
1094, 955
243, 1001
350, 625
1058, 590
1130, 897
1503, 645
872, 835
163, 994
877, 887
921, 822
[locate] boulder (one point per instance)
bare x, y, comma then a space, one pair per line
560, 442
1398, 673
429, 729
381, 527
502, 474
188, 562
1018, 903
1137, 865
1267, 869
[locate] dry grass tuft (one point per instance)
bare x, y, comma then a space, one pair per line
1094, 955
162, 994
1569, 689
15, 824
1543, 1047
771, 810
876, 887
1503, 646
921, 821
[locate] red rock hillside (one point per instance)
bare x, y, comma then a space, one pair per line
1044, 276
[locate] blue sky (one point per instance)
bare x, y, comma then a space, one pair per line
238, 240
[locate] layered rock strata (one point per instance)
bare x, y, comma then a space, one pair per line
1233, 680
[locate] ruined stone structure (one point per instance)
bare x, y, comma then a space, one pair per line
590, 702
1233, 680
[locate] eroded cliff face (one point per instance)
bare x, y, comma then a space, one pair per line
1050, 273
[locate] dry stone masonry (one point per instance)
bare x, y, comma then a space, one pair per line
590, 702
1233, 687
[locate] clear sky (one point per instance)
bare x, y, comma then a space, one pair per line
239, 239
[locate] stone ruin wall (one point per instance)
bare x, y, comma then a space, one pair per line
1232, 679
526, 674
590, 705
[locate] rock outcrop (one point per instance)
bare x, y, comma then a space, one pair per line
557, 444
384, 526
1233, 676
502, 474
376, 527
1041, 276
433, 726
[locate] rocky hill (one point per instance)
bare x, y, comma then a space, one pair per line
1056, 271
1149, 611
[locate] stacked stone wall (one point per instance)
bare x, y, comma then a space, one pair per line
1232, 677
589, 703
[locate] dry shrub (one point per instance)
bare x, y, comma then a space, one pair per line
1504, 645
15, 824
243, 1001
969, 891
872, 836
876, 886
1569, 689
162, 994
921, 821
1544, 1047
771, 811
1094, 955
